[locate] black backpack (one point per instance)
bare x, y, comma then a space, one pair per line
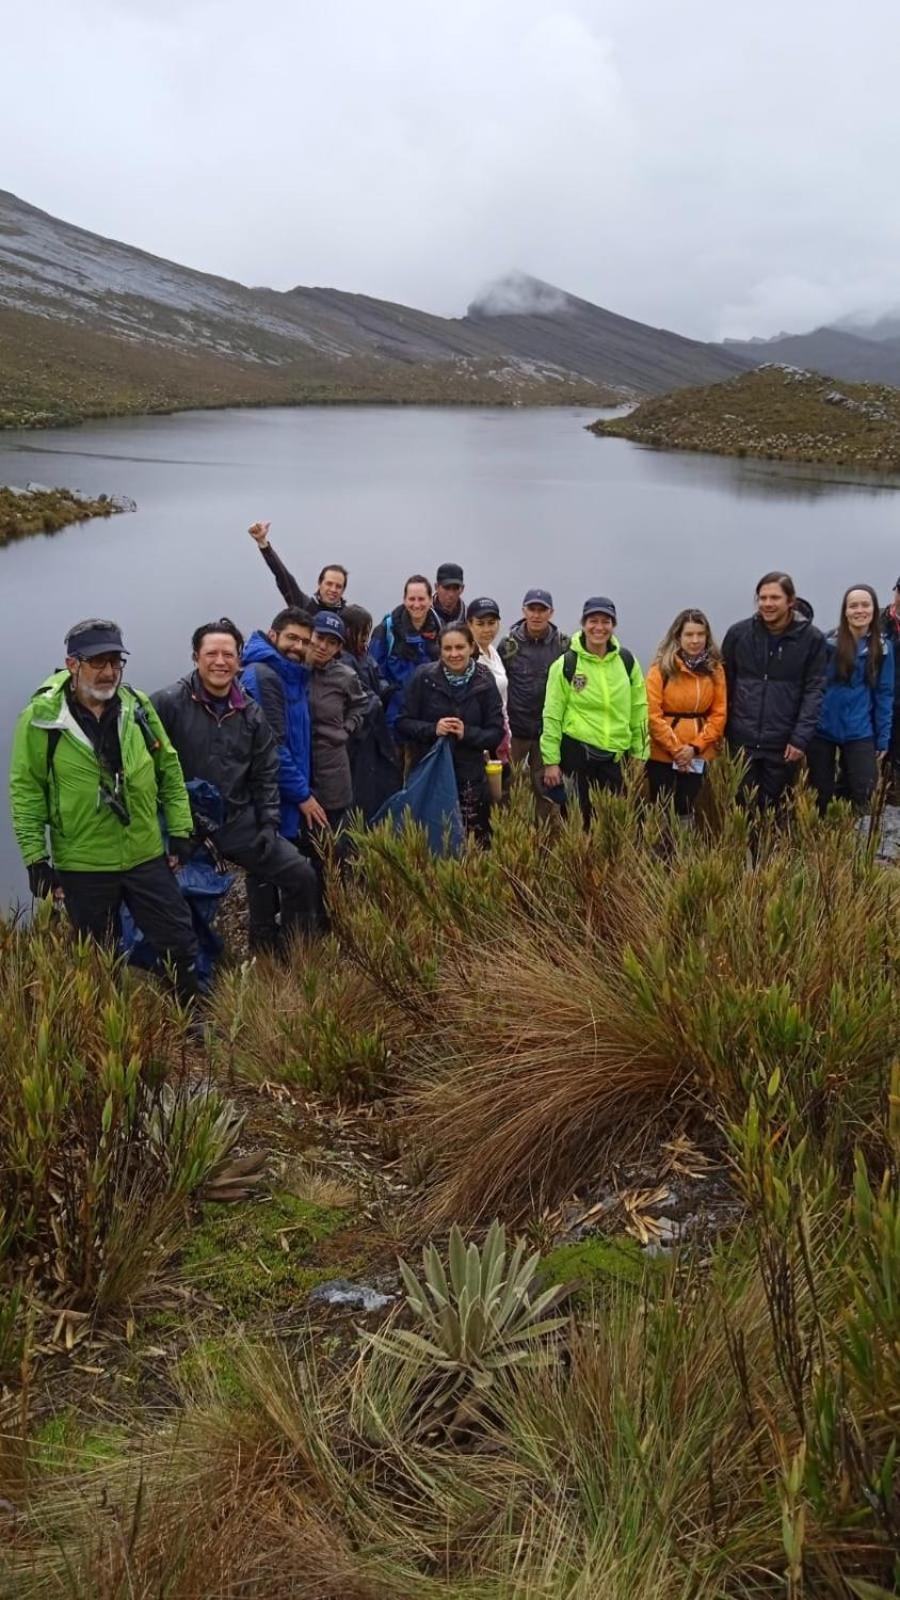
570, 661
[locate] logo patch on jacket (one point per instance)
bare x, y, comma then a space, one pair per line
579, 681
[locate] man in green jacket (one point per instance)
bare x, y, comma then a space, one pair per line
595, 708
91, 766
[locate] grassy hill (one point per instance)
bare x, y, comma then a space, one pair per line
776, 412
52, 373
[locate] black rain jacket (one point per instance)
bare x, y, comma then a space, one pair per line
236, 752
776, 682
429, 697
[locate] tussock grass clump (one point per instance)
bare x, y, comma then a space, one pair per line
568, 989
317, 1022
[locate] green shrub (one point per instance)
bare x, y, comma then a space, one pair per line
317, 1023
102, 1136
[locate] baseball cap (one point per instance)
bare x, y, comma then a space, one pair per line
598, 606
539, 597
94, 638
448, 572
483, 607
329, 622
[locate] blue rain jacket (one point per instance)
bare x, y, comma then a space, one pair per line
857, 709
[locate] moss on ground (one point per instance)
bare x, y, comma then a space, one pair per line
596, 1261
211, 1359
66, 1443
256, 1256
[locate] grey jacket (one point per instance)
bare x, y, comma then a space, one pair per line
337, 707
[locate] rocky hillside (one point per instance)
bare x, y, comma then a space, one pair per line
778, 412
537, 321
89, 326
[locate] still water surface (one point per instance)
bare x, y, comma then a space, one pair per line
518, 497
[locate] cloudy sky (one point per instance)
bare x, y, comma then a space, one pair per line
712, 167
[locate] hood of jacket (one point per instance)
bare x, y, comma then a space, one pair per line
49, 700
552, 638
402, 626
260, 649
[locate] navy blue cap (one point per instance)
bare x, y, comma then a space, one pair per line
94, 638
482, 607
598, 606
449, 572
539, 597
329, 622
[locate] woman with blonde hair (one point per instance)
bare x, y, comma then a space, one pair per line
687, 708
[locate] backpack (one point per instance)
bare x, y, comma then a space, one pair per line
570, 661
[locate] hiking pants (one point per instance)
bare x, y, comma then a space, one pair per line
156, 903
589, 774
767, 781
848, 771
664, 781
277, 874
522, 750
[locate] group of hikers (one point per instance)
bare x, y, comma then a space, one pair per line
269, 743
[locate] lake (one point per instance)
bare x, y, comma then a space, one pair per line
520, 498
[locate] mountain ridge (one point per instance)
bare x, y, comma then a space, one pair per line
92, 326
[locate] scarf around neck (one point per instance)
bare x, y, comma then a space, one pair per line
457, 680
698, 663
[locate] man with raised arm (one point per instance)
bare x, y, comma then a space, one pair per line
332, 581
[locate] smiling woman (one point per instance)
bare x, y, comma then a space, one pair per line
456, 698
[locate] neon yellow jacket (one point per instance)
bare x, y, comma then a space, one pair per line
602, 706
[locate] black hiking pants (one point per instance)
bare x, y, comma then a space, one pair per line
273, 866
591, 770
152, 895
287, 903
848, 771
664, 780
768, 780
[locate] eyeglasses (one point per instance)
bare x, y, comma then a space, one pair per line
113, 659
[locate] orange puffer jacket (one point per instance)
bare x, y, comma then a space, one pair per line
689, 708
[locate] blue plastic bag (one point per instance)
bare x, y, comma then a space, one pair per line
431, 798
203, 888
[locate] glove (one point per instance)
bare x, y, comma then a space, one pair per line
183, 849
42, 879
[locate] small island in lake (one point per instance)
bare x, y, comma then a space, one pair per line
777, 412
35, 509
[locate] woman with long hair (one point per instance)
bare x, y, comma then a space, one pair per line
687, 708
854, 728
457, 698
